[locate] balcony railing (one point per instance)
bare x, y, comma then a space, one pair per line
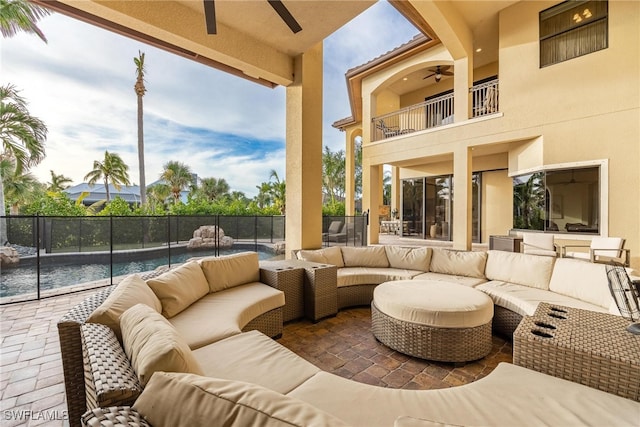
433, 113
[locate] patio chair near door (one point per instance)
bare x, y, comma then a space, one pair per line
539, 244
601, 249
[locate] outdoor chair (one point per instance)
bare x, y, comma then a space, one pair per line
333, 231
538, 244
388, 131
602, 249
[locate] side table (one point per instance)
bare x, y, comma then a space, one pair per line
288, 278
582, 346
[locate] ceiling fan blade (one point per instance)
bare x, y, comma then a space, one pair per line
430, 75
286, 16
210, 16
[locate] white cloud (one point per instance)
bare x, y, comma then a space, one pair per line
81, 85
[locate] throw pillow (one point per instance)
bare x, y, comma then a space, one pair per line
178, 289
225, 272
331, 255
172, 399
131, 291
153, 344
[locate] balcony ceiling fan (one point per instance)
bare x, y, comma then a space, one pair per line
438, 72
277, 5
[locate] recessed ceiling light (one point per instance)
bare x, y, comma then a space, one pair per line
478, 50
405, 79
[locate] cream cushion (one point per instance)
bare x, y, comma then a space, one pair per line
350, 276
369, 256
227, 271
451, 278
460, 263
331, 255
152, 344
510, 396
408, 258
524, 299
129, 292
438, 304
172, 400
178, 289
221, 314
255, 358
582, 280
523, 269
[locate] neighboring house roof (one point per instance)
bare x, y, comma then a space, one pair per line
97, 192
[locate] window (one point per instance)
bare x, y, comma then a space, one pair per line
571, 29
565, 200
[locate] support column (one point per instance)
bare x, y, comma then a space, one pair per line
304, 153
396, 190
462, 191
350, 173
462, 81
371, 179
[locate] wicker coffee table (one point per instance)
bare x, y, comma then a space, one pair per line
582, 346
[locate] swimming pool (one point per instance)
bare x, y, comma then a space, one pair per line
24, 279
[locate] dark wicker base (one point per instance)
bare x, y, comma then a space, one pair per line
505, 322
353, 296
426, 342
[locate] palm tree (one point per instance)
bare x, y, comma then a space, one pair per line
178, 176
113, 169
214, 188
140, 90
23, 137
21, 15
20, 189
278, 192
333, 173
158, 195
58, 182
264, 195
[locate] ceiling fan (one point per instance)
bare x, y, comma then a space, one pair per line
277, 5
439, 71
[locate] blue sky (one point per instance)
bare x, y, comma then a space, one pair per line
81, 85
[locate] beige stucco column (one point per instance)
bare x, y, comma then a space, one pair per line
304, 153
371, 179
395, 189
350, 171
462, 190
462, 81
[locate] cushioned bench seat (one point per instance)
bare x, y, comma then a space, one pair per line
509, 396
453, 278
352, 276
524, 300
225, 313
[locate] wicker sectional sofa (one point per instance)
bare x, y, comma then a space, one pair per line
516, 282
132, 356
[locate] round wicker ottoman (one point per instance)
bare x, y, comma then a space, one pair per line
432, 320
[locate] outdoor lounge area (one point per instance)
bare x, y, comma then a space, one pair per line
327, 343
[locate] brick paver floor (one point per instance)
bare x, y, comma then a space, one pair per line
32, 383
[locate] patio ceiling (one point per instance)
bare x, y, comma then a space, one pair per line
252, 41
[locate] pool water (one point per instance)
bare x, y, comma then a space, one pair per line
23, 280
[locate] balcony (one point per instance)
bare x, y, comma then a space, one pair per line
434, 112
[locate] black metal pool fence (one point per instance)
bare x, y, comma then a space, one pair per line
56, 253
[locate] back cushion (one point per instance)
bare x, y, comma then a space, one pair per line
459, 263
131, 291
153, 344
171, 400
331, 255
408, 258
231, 270
178, 289
582, 280
370, 256
522, 269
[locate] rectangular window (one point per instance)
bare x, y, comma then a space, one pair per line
571, 29
565, 200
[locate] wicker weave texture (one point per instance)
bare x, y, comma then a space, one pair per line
121, 416
353, 296
320, 291
269, 323
582, 346
426, 342
289, 280
109, 377
505, 321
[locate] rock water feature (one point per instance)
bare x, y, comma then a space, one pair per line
205, 237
